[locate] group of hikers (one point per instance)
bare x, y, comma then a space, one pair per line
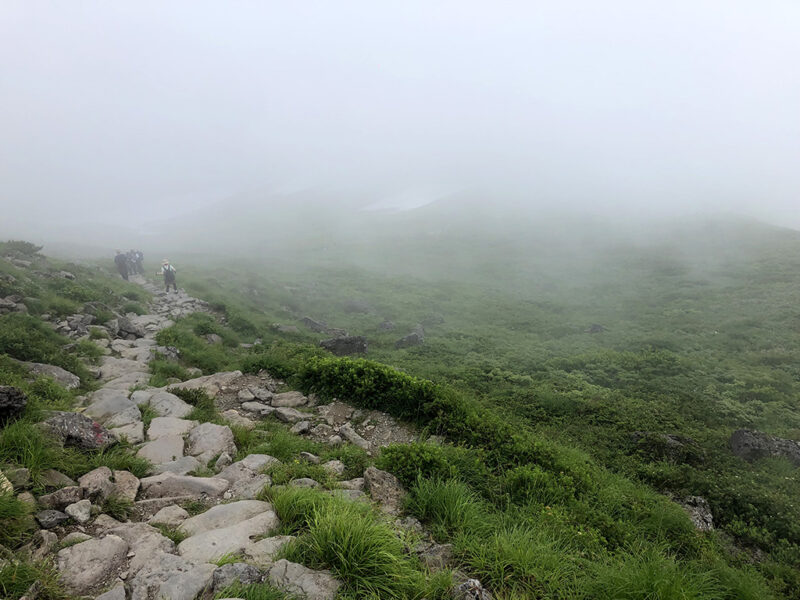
131, 263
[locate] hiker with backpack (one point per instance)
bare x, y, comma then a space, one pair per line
122, 264
168, 271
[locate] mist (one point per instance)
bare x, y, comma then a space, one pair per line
127, 122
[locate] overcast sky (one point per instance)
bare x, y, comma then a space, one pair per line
140, 108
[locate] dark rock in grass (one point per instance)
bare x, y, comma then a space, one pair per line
699, 512
678, 449
384, 488
595, 328
752, 445
19, 478
386, 326
51, 518
12, 402
343, 346
357, 306
410, 340
471, 589
77, 430
233, 573
315, 326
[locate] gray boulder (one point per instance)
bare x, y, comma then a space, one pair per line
415, 338
224, 515
302, 581
313, 325
209, 440
61, 497
289, 399
346, 345
88, 565
97, 484
165, 449
77, 430
170, 577
61, 376
168, 485
51, 518
126, 328
81, 511
169, 405
211, 545
172, 516
752, 445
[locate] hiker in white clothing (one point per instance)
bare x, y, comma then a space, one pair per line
168, 271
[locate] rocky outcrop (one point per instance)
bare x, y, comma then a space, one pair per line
385, 489
752, 445
209, 440
699, 512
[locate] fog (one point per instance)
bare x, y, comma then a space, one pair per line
121, 120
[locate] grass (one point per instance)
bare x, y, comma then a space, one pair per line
204, 411
346, 537
253, 591
119, 508
16, 519
16, 578
284, 472
175, 533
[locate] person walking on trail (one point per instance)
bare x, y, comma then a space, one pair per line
168, 271
139, 261
122, 264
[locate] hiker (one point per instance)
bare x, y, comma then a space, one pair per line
139, 261
168, 271
122, 264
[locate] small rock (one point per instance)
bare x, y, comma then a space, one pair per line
27, 498
81, 512
51, 478
304, 482
19, 478
182, 466
302, 581
40, 545
289, 400
51, 518
126, 485
334, 467
471, 589
61, 497
353, 484
258, 407
233, 573
133, 433
335, 440
348, 433
75, 538
245, 395
288, 415
301, 427
234, 418
172, 516
223, 461
308, 457
699, 512
97, 484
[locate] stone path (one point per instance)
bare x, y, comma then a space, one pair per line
135, 560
